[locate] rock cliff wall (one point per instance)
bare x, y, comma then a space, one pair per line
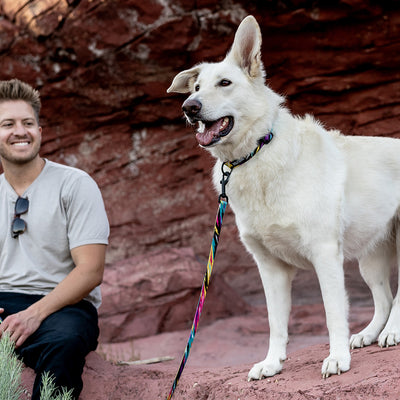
103, 67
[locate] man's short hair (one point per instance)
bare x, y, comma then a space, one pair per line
15, 89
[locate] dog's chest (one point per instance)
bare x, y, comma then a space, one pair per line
277, 237
265, 228
267, 215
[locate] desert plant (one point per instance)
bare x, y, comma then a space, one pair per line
10, 377
49, 390
10, 371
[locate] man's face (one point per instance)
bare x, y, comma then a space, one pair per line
20, 133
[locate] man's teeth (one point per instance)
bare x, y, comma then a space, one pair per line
21, 144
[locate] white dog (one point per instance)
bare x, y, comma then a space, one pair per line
308, 199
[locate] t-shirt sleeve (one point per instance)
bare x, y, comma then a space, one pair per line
86, 214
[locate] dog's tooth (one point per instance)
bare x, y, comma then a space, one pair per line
224, 123
201, 127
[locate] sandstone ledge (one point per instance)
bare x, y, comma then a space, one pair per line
375, 374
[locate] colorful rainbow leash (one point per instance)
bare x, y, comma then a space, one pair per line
223, 202
217, 230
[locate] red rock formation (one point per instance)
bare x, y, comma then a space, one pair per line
145, 295
103, 67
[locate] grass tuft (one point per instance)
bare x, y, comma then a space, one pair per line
49, 390
10, 377
10, 371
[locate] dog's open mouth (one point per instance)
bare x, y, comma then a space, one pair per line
210, 132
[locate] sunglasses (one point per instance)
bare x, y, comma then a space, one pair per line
18, 225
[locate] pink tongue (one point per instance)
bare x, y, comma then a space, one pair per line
210, 133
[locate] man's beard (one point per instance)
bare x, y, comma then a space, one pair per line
12, 158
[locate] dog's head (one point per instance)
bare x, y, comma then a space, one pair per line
227, 98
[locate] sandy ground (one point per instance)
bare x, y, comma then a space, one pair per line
221, 356
224, 351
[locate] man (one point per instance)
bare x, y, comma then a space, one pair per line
53, 237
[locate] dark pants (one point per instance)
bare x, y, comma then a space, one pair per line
61, 343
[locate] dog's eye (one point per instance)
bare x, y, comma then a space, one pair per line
197, 88
225, 82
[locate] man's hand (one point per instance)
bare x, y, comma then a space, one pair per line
20, 326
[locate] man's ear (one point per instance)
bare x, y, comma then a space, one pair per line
246, 48
184, 81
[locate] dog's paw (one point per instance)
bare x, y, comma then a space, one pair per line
361, 340
388, 338
264, 369
335, 366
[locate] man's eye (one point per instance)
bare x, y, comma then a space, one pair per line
224, 82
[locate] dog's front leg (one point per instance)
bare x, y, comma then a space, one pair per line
277, 278
328, 263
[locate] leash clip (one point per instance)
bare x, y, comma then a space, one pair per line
224, 181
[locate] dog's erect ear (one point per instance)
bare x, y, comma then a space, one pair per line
183, 82
246, 48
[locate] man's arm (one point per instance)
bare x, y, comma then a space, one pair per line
88, 273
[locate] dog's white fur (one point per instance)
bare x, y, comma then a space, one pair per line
308, 199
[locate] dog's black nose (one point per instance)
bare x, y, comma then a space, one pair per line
191, 107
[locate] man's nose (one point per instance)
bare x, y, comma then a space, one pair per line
20, 129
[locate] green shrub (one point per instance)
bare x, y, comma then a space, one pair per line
10, 371
10, 377
50, 392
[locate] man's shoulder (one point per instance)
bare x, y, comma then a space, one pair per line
69, 180
65, 171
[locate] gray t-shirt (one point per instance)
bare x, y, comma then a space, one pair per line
66, 210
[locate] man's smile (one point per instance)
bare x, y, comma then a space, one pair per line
20, 144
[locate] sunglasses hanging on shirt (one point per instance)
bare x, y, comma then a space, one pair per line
18, 225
